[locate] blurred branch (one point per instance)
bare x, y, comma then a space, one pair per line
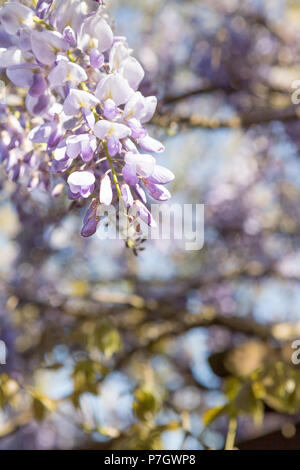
198, 91
256, 117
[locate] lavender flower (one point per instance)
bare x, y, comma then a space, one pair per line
82, 117
81, 183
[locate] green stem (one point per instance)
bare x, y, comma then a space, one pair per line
113, 172
229, 445
38, 20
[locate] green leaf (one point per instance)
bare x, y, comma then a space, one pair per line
106, 339
147, 402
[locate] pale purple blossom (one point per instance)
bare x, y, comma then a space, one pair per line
161, 175
113, 132
46, 44
81, 183
66, 71
96, 58
77, 100
127, 195
81, 118
144, 213
158, 192
151, 145
83, 145
13, 15
114, 87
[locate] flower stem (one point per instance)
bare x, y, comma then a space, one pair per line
229, 445
113, 172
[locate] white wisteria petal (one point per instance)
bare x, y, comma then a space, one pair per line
114, 87
78, 99
66, 71
106, 193
132, 70
118, 53
143, 163
95, 28
140, 107
81, 179
105, 128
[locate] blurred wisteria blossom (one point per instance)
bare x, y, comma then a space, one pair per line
80, 116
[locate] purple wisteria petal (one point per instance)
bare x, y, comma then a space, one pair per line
24, 42
106, 193
74, 145
60, 152
71, 13
89, 117
90, 227
119, 52
151, 145
141, 193
46, 44
88, 147
13, 15
129, 175
113, 145
130, 146
104, 128
140, 107
149, 109
61, 161
39, 85
82, 144
82, 182
37, 106
22, 75
144, 214
127, 195
42, 8
97, 28
113, 132
78, 99
161, 175
69, 36
110, 110
96, 59
158, 192
66, 71
137, 130
41, 134
114, 87
54, 138
143, 163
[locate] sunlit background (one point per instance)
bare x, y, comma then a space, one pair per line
107, 350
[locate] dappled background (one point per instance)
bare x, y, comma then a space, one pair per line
171, 349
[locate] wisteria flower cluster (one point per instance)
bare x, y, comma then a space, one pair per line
80, 115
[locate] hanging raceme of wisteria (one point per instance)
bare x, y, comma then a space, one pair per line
78, 114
